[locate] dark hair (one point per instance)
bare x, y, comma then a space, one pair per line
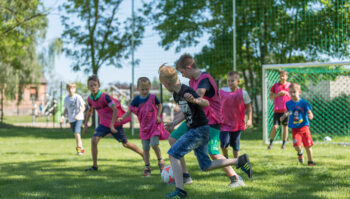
233, 73
143, 80
185, 60
94, 78
295, 86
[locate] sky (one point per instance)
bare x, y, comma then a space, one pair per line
150, 54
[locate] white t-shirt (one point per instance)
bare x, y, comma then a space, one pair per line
246, 97
74, 105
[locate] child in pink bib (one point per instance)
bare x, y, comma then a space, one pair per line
234, 103
148, 109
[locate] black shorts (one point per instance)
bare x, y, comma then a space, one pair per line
277, 121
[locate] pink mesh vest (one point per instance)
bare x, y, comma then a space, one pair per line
105, 112
147, 115
232, 111
213, 110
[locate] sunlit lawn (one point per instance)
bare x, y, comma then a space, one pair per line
41, 163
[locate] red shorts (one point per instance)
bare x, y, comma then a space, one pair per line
302, 135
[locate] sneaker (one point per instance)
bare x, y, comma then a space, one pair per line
177, 194
80, 151
236, 182
147, 172
283, 147
187, 180
161, 165
301, 157
269, 147
244, 164
92, 169
310, 163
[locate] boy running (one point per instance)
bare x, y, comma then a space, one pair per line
198, 134
299, 112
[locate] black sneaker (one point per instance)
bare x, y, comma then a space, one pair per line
177, 194
301, 157
311, 163
92, 169
244, 164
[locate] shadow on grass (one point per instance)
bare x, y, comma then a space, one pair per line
51, 133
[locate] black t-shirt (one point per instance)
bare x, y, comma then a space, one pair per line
205, 83
194, 113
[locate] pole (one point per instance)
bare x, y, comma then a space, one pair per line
132, 63
234, 34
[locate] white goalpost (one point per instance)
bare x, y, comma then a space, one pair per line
327, 88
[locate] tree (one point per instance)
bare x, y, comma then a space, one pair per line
269, 31
96, 35
22, 24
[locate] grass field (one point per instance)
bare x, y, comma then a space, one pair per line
41, 163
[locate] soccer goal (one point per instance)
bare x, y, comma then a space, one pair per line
326, 86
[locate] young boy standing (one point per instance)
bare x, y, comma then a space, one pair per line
299, 112
234, 103
279, 94
74, 106
197, 136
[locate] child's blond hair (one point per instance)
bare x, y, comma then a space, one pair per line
167, 74
295, 86
70, 85
143, 80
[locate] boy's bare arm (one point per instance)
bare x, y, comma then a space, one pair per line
286, 114
200, 101
310, 114
125, 115
250, 115
159, 112
114, 118
179, 117
87, 117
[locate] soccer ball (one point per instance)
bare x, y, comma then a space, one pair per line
327, 139
167, 175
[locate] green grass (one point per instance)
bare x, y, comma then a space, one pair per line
24, 119
41, 163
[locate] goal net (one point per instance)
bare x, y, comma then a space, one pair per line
326, 86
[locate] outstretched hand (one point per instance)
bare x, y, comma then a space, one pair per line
189, 97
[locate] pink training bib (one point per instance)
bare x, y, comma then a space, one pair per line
280, 102
213, 110
105, 112
147, 115
232, 111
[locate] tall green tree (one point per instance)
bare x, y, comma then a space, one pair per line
22, 25
96, 36
268, 31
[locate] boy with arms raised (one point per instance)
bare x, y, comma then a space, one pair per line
299, 112
206, 88
279, 94
197, 136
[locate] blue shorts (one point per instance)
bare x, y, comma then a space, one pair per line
76, 126
230, 138
120, 136
194, 139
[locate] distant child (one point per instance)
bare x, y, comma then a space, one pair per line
299, 112
148, 109
205, 87
279, 93
74, 106
197, 136
108, 109
234, 102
